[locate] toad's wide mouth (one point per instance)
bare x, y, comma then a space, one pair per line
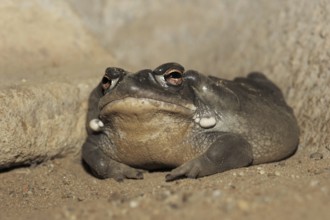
131, 105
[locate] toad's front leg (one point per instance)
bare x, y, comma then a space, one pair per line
102, 165
228, 151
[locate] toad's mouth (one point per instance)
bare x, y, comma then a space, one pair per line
130, 105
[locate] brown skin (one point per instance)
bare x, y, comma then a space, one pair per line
198, 125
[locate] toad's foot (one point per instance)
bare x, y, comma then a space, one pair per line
227, 152
103, 166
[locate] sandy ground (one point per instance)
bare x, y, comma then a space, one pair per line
297, 188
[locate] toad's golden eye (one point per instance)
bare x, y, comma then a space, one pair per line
169, 74
173, 77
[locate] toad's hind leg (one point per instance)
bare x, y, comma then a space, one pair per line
227, 152
103, 166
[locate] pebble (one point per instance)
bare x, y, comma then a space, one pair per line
324, 190
262, 172
231, 186
162, 195
282, 163
229, 205
27, 190
328, 147
216, 193
243, 205
276, 173
315, 171
185, 197
173, 201
133, 204
66, 180
238, 174
314, 183
316, 156
327, 169
295, 176
80, 198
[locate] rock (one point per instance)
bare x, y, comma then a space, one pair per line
42, 33
40, 122
47, 68
316, 156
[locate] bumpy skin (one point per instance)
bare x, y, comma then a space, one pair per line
196, 125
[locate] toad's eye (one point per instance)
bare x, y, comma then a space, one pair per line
108, 83
173, 77
169, 74
111, 78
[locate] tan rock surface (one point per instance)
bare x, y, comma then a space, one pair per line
48, 65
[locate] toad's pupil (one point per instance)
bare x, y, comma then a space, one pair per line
175, 75
105, 80
174, 78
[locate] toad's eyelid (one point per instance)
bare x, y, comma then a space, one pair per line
114, 83
108, 84
161, 80
173, 71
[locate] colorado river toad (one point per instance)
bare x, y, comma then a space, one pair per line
196, 125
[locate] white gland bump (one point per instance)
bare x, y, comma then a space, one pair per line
96, 124
197, 120
207, 122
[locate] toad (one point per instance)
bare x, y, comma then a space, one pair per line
192, 124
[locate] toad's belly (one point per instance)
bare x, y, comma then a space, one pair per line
151, 155
150, 143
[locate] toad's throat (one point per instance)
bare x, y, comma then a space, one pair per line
146, 131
